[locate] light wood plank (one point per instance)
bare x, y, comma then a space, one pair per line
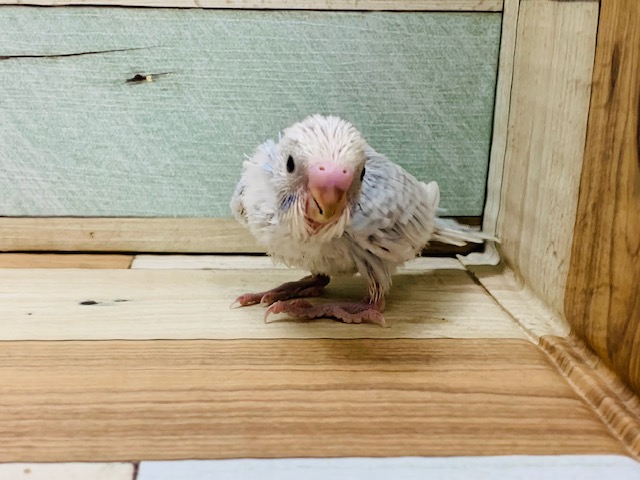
547, 126
188, 304
67, 471
391, 5
158, 235
501, 116
420, 86
603, 300
147, 235
114, 401
231, 262
584, 467
43, 260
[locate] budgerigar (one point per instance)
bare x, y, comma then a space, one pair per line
321, 199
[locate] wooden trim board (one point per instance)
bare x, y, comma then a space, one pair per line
57, 260
147, 235
157, 235
501, 115
362, 5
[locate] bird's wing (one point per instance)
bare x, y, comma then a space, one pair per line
394, 217
255, 175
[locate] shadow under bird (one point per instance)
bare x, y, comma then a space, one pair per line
321, 199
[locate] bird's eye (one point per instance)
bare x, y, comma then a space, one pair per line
362, 173
290, 164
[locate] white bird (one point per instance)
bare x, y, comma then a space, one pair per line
321, 199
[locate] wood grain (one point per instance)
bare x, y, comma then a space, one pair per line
391, 5
157, 235
501, 116
147, 235
603, 300
122, 401
43, 260
191, 304
420, 86
616, 405
547, 127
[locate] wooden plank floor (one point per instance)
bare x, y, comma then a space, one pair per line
114, 401
453, 375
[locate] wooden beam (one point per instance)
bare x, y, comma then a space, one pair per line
389, 5
603, 296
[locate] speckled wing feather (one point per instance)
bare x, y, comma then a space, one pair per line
394, 218
253, 192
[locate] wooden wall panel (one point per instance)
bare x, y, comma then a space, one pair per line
79, 140
603, 289
547, 126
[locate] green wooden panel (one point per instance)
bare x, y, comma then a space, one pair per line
77, 139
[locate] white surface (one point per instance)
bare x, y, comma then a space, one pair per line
584, 467
66, 471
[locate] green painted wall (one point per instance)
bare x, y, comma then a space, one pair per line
77, 139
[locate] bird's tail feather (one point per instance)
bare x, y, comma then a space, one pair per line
447, 230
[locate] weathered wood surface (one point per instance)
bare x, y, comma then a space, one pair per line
120, 401
547, 127
79, 140
389, 5
190, 304
603, 299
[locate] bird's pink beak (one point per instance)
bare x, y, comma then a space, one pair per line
328, 186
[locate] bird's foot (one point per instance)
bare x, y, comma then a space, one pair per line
347, 312
311, 286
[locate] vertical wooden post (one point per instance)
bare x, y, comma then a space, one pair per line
602, 303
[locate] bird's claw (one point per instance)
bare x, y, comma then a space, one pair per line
344, 312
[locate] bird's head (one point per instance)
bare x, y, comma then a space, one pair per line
321, 165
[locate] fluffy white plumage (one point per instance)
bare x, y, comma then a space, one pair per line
389, 217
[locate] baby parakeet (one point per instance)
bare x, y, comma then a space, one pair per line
321, 199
